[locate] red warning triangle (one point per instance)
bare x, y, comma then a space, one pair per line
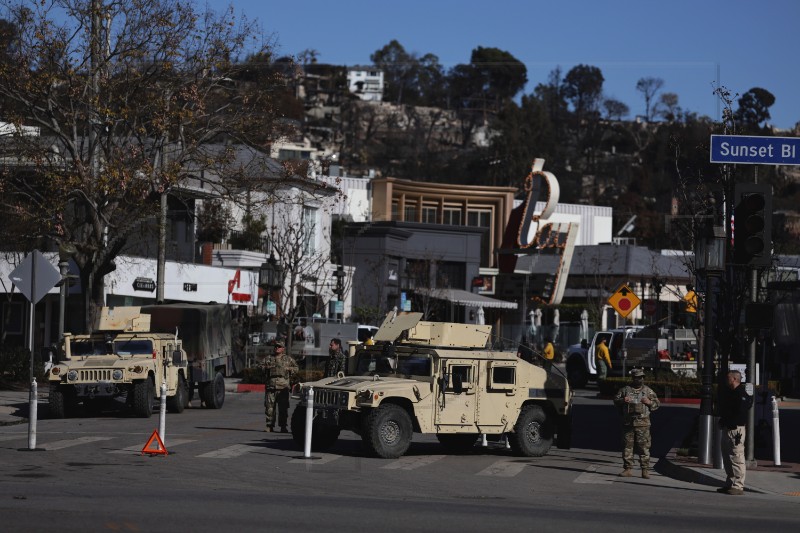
160, 449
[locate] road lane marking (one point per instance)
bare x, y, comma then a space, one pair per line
592, 476
60, 444
138, 447
503, 469
411, 463
229, 452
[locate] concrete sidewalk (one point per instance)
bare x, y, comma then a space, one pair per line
763, 478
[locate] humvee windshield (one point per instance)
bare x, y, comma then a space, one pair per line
81, 347
371, 363
133, 347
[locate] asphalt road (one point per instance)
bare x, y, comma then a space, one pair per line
224, 474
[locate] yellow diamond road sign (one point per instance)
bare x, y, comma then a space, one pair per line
624, 301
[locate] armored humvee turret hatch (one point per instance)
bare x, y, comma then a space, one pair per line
433, 377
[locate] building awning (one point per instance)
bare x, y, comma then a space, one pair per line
467, 299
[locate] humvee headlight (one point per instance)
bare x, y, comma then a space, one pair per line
72, 375
116, 375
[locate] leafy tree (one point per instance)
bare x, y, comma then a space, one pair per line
649, 87
525, 133
615, 109
128, 99
583, 88
410, 79
399, 70
500, 75
754, 108
213, 221
667, 107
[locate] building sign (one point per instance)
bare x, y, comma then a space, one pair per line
234, 284
529, 232
144, 284
190, 287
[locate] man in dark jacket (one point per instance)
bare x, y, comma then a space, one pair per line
734, 403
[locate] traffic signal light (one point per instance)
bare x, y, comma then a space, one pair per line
752, 225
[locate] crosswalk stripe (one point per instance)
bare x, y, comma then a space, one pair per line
60, 444
413, 462
229, 452
503, 469
592, 476
138, 447
317, 458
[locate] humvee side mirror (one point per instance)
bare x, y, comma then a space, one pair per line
177, 357
458, 386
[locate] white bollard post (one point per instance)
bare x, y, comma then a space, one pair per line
309, 422
776, 433
508, 444
484, 442
33, 411
162, 419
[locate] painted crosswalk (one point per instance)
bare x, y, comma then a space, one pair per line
413, 462
229, 452
592, 476
504, 469
68, 443
136, 448
194, 446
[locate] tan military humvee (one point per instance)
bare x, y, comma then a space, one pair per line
430, 377
122, 359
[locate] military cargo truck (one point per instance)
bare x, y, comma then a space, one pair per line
132, 352
437, 378
207, 340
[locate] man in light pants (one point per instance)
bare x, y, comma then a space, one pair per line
734, 402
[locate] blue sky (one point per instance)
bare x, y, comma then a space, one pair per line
689, 44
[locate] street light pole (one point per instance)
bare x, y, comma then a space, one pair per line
710, 260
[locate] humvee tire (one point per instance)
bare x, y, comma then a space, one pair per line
387, 431
533, 433
60, 403
458, 442
143, 392
323, 436
176, 404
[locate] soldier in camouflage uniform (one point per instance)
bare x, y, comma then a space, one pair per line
635, 403
279, 368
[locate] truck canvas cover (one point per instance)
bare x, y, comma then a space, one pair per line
204, 329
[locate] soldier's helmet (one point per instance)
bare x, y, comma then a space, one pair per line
637, 373
280, 343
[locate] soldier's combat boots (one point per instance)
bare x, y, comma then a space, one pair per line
625, 473
645, 474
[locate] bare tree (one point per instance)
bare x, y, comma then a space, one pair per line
113, 104
649, 87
